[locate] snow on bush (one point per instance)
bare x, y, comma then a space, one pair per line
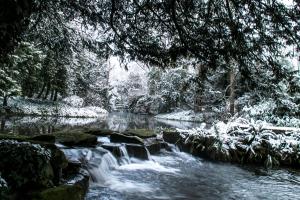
268, 110
241, 141
74, 101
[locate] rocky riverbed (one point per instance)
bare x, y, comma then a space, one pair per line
91, 162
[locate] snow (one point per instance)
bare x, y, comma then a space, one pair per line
283, 147
74, 101
47, 108
188, 115
265, 109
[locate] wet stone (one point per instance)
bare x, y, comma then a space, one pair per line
137, 151
121, 138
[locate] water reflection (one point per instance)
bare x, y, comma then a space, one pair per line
114, 121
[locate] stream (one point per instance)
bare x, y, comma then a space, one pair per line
168, 175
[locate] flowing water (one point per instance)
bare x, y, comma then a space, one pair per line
169, 174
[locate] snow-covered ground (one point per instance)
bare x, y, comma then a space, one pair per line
23, 106
188, 115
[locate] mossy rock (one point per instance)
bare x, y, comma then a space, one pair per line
3, 189
25, 166
99, 132
121, 138
137, 151
75, 139
19, 138
75, 187
172, 137
23, 138
64, 192
143, 133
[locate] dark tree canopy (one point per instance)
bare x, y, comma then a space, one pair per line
14, 15
214, 32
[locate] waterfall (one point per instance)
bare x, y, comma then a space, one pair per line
125, 159
101, 166
148, 154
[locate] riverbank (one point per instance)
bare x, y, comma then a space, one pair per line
34, 107
241, 142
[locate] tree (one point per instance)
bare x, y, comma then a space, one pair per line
8, 81
14, 15
242, 34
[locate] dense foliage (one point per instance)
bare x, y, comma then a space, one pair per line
244, 40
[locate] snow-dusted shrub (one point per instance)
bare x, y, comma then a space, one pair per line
244, 142
74, 101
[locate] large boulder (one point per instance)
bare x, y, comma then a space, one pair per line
142, 133
25, 166
75, 138
172, 137
3, 189
121, 138
154, 145
137, 151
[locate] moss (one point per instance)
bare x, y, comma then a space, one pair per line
75, 139
19, 138
121, 138
99, 132
39, 139
64, 192
143, 133
25, 165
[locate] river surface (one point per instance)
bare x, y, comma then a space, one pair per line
167, 175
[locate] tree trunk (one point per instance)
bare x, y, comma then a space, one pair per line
3, 120
199, 96
232, 89
52, 95
5, 99
55, 96
47, 91
42, 91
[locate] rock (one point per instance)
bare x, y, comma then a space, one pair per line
74, 187
142, 133
172, 137
63, 192
121, 138
25, 166
43, 138
113, 148
154, 146
100, 132
58, 162
20, 138
73, 167
75, 139
137, 151
3, 189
